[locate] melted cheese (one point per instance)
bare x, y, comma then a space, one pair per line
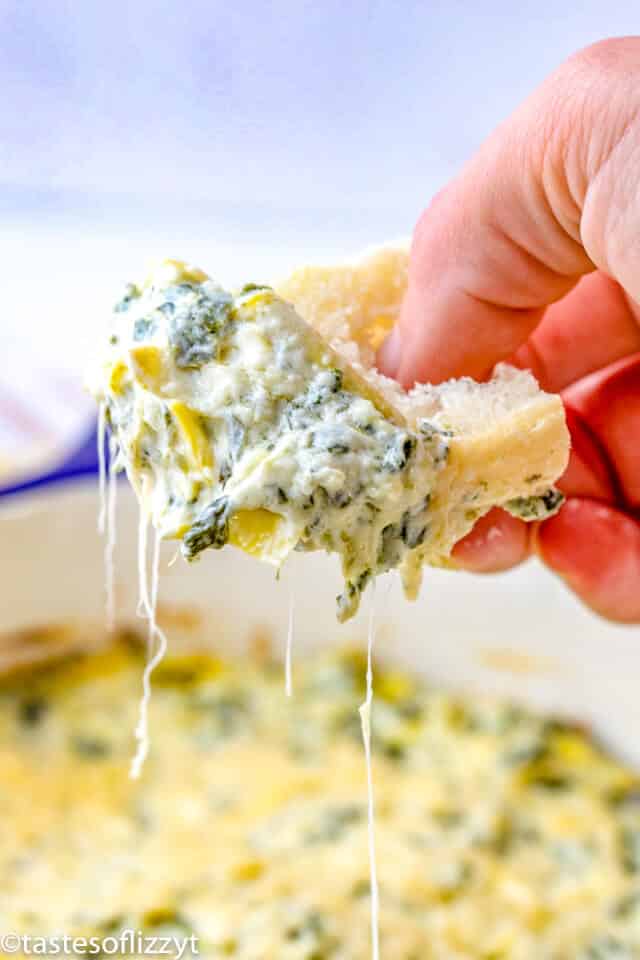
156, 639
110, 537
288, 657
102, 469
107, 497
238, 425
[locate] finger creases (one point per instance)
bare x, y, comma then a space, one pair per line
604, 417
595, 548
593, 326
589, 473
552, 195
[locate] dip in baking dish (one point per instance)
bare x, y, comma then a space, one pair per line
499, 834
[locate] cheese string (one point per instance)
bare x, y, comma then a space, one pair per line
107, 492
148, 604
111, 535
288, 681
365, 720
144, 606
102, 469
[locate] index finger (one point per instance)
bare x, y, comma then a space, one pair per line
551, 195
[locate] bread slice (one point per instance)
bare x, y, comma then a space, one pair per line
508, 441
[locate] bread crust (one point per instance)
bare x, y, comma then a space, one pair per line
509, 438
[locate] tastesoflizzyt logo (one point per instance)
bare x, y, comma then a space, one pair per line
125, 944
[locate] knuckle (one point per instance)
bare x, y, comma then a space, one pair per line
587, 107
612, 55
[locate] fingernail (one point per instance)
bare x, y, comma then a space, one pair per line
390, 354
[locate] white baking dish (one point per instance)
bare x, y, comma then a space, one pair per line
520, 634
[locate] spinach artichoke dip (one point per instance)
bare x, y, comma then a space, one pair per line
238, 424
501, 835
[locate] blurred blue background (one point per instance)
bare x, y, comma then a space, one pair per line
243, 135
341, 108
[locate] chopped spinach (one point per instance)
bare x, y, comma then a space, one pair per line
536, 508
630, 849
436, 439
625, 798
341, 499
399, 452
90, 748
448, 819
326, 383
413, 528
210, 529
555, 782
607, 948
501, 835
144, 327
112, 924
413, 535
31, 711
131, 292
165, 919
199, 321
360, 889
224, 472
410, 532
393, 750
389, 553
274, 494
627, 907
221, 715
319, 498
525, 753
349, 600
334, 438
333, 822
236, 436
312, 935
253, 288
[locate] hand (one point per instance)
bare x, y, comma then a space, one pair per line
532, 255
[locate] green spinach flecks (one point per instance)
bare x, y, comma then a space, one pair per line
210, 529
